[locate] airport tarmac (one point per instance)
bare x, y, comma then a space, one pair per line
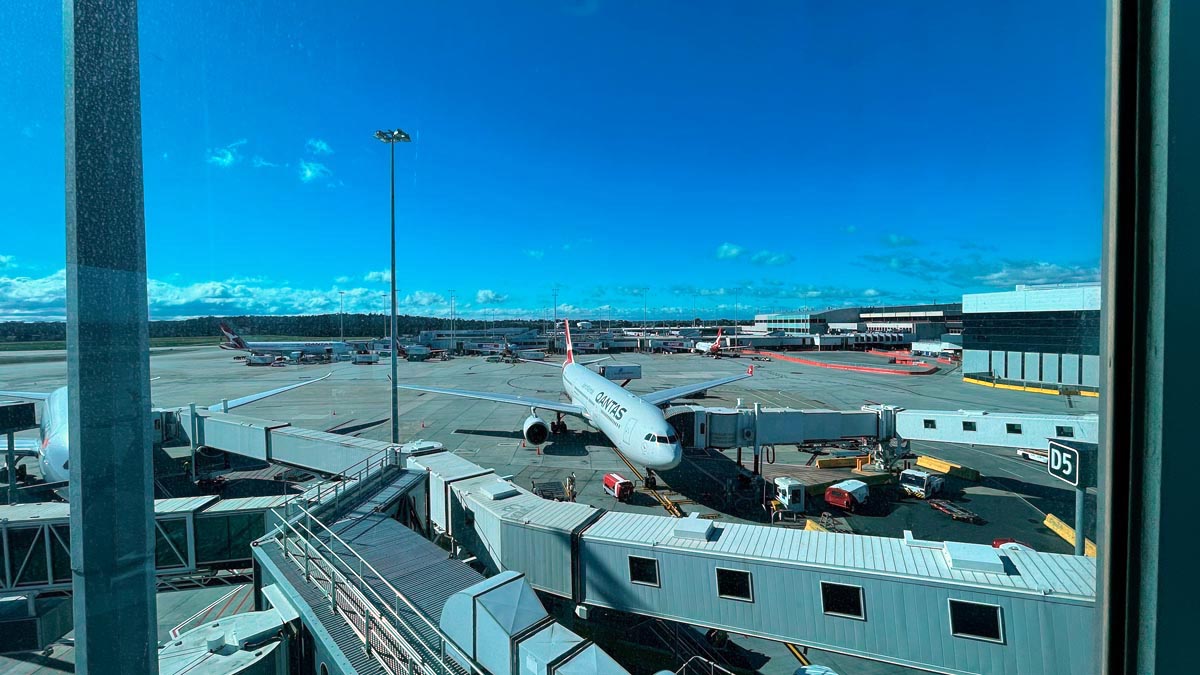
1012, 499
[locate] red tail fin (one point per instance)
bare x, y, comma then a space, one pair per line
570, 349
750, 370
232, 336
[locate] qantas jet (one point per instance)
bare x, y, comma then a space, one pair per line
634, 423
51, 447
714, 348
236, 343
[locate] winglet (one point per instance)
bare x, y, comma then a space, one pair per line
750, 370
570, 349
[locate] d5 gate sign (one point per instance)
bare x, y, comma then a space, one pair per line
1072, 462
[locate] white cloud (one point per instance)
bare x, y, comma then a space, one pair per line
6, 261
771, 258
486, 296
1012, 273
227, 156
899, 240
536, 254
727, 251
318, 147
310, 171
259, 162
377, 277
871, 293
423, 299
341, 280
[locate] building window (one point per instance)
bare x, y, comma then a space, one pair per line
1012, 428
643, 571
930, 424
734, 585
968, 426
976, 620
842, 600
1064, 432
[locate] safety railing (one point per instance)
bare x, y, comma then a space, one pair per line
378, 619
699, 665
355, 479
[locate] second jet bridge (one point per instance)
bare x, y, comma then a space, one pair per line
701, 427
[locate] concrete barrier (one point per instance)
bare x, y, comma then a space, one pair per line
948, 468
837, 462
1068, 534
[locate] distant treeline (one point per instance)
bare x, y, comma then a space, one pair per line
318, 325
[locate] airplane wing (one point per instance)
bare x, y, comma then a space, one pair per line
25, 447
552, 364
527, 401
31, 395
234, 403
667, 395
588, 363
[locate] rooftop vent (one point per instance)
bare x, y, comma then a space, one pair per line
973, 558
499, 490
693, 527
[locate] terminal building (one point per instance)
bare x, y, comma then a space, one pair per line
920, 321
1047, 336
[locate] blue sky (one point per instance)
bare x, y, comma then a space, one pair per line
805, 154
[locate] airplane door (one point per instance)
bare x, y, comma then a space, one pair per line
629, 426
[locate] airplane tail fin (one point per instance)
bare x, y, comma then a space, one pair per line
570, 349
234, 342
750, 370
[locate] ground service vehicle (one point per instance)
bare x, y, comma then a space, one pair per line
921, 484
789, 492
848, 494
618, 486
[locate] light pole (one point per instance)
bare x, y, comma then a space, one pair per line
736, 292
645, 306
554, 343
453, 344
342, 315
392, 138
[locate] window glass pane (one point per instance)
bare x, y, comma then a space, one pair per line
734, 584
1065, 432
643, 571
970, 619
842, 600
1013, 428
968, 426
930, 424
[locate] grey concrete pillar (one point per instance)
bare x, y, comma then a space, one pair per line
108, 366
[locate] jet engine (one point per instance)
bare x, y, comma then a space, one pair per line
536, 430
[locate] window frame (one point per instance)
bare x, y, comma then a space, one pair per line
1058, 431
973, 428
999, 620
750, 584
1009, 426
862, 601
657, 577
929, 423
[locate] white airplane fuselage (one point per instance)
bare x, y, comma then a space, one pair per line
54, 439
624, 417
286, 348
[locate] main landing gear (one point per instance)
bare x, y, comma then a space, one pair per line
558, 426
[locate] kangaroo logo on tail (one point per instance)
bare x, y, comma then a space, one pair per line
234, 342
570, 349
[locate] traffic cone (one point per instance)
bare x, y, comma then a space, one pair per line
422, 424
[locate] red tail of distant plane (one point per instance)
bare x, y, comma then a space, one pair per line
234, 342
716, 345
570, 349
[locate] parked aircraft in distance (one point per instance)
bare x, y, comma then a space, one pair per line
236, 343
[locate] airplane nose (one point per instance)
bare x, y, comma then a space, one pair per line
672, 457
